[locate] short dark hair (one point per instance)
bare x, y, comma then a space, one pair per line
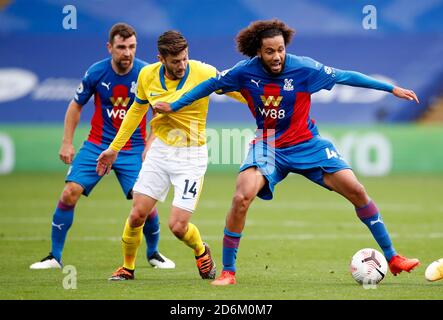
123, 30
249, 39
171, 43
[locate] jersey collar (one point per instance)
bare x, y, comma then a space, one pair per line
180, 84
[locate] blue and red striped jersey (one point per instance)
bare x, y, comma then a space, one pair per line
280, 103
113, 95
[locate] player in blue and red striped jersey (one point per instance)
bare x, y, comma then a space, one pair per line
113, 83
278, 88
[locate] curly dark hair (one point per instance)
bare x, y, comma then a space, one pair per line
249, 40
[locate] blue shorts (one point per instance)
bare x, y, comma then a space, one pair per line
311, 158
82, 171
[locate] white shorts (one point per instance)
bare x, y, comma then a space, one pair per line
183, 167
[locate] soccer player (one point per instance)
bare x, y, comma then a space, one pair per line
278, 88
178, 155
113, 82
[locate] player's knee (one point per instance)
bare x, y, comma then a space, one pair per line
358, 193
71, 193
241, 201
177, 228
136, 219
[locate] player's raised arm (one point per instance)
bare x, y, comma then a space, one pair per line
357, 79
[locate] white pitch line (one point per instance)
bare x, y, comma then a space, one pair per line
41, 220
260, 205
303, 236
221, 222
353, 223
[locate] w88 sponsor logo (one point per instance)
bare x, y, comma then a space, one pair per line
272, 113
116, 113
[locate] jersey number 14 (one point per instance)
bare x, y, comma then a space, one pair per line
192, 189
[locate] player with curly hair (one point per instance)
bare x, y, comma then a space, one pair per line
278, 87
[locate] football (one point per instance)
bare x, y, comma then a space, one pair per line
434, 271
368, 266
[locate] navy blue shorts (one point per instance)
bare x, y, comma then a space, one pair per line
82, 171
311, 158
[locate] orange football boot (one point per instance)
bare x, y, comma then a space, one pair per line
226, 278
205, 264
399, 263
122, 274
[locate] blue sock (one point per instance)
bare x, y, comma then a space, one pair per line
61, 223
371, 217
151, 230
231, 241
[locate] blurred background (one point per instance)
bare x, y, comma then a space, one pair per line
394, 146
47, 45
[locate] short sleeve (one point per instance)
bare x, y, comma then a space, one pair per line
85, 90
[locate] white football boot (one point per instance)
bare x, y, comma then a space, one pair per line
48, 262
157, 260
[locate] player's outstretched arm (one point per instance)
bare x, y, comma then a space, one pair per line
357, 79
405, 94
72, 118
105, 161
202, 90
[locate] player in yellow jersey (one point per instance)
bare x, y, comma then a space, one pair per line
178, 155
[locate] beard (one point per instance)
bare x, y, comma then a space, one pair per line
173, 74
269, 70
123, 64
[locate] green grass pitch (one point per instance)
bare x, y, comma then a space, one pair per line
297, 246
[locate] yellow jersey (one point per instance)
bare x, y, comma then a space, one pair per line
186, 127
